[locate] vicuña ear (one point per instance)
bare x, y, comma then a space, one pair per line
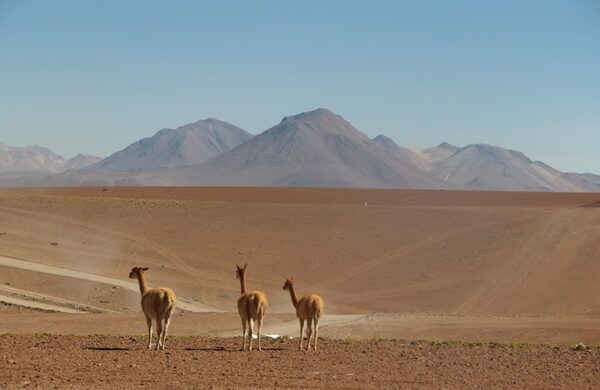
145, 269
245, 265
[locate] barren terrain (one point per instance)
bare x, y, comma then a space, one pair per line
190, 362
437, 265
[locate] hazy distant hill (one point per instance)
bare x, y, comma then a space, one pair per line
585, 182
487, 167
440, 152
422, 158
316, 148
31, 159
191, 144
490, 167
408, 155
81, 161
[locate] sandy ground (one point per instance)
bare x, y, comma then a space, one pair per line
437, 265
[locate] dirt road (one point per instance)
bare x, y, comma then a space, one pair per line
47, 269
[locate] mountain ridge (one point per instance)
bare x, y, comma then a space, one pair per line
488, 167
39, 159
313, 148
189, 144
317, 147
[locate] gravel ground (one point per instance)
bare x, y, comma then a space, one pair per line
50, 361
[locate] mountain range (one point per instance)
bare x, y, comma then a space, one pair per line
37, 159
317, 148
492, 168
191, 144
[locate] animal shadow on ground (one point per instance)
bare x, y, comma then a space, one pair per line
108, 349
594, 204
274, 349
218, 349
223, 349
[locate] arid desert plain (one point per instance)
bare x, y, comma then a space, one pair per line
422, 288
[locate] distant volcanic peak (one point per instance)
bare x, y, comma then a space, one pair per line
447, 145
480, 151
190, 144
320, 122
319, 114
81, 156
482, 147
203, 126
384, 139
486, 149
210, 121
387, 143
197, 125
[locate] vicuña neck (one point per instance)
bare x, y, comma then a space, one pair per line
243, 283
142, 282
293, 295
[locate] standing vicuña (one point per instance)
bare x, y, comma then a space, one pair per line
309, 308
252, 306
158, 304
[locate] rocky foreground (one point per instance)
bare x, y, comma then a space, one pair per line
46, 361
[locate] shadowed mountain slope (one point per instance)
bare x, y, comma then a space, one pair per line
191, 144
440, 152
410, 156
316, 148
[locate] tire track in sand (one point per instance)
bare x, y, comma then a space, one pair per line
51, 270
46, 302
167, 255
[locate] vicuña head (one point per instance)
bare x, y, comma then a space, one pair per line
137, 272
252, 306
157, 304
289, 283
240, 272
308, 308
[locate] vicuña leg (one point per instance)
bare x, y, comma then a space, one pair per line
316, 332
309, 333
250, 331
259, 326
301, 333
159, 331
167, 323
243, 335
149, 322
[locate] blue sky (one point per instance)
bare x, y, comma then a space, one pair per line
94, 76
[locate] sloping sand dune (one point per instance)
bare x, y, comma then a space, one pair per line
47, 269
510, 258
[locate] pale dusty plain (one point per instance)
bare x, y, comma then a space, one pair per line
390, 263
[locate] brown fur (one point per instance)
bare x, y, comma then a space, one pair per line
308, 308
252, 306
157, 304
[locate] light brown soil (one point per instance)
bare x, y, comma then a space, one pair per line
123, 362
434, 252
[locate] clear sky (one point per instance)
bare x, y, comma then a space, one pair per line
94, 76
